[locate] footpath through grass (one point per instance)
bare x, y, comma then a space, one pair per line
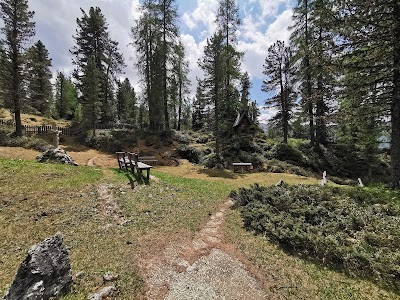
39, 200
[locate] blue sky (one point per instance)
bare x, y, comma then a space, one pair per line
263, 22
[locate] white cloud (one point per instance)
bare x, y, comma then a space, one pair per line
271, 7
56, 24
255, 42
266, 114
203, 14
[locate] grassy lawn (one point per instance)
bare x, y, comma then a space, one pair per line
39, 200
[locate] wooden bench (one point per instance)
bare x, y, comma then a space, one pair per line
138, 165
123, 160
148, 159
242, 166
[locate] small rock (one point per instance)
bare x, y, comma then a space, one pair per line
126, 223
110, 277
79, 275
103, 293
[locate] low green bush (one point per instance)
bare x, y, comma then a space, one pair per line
352, 229
212, 161
285, 152
29, 142
192, 154
277, 166
182, 138
112, 141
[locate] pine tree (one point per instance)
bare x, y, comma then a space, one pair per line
17, 30
39, 87
227, 23
180, 71
126, 103
155, 37
91, 95
313, 40
146, 40
93, 41
370, 35
213, 63
280, 72
199, 116
169, 27
66, 98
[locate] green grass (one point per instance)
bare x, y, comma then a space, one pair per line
39, 200
168, 209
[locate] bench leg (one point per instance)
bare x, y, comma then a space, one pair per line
148, 174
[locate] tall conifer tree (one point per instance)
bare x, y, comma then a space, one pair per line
40, 90
17, 30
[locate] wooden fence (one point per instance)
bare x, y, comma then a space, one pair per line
43, 129
68, 131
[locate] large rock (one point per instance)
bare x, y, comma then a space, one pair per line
44, 274
56, 155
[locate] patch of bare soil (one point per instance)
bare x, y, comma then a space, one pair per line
200, 268
107, 205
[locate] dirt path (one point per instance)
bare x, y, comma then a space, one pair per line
200, 269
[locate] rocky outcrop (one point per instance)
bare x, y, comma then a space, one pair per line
44, 274
56, 155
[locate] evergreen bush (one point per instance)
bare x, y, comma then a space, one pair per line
356, 230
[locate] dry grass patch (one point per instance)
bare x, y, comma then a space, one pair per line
35, 120
234, 180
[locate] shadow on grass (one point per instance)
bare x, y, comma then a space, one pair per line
136, 179
220, 173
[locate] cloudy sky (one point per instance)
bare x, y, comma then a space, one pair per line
263, 22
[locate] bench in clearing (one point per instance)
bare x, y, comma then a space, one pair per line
148, 159
123, 160
242, 166
138, 165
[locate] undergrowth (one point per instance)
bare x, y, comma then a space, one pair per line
355, 230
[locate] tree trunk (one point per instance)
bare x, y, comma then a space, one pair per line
180, 100
166, 115
320, 113
308, 81
395, 109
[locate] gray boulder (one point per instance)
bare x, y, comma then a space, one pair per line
56, 155
44, 274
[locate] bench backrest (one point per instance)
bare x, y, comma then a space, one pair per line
133, 157
120, 155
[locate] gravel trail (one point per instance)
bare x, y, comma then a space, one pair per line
214, 274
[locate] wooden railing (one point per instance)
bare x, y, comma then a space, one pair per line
68, 131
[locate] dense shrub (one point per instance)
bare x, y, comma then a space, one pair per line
112, 141
277, 166
242, 149
213, 161
356, 230
287, 153
29, 142
192, 154
182, 138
